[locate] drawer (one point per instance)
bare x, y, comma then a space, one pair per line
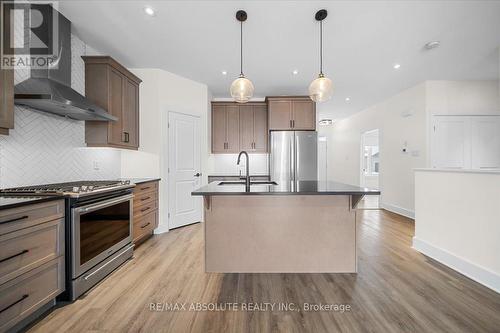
22, 296
145, 209
25, 249
145, 225
30, 215
143, 198
146, 187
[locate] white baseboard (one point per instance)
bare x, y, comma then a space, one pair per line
477, 273
398, 210
162, 228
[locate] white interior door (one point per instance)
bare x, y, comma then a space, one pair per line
451, 142
184, 169
466, 142
485, 142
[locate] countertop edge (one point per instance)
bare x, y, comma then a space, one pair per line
282, 193
31, 201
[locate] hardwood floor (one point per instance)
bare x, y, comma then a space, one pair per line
396, 290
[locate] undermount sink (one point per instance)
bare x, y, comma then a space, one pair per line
251, 183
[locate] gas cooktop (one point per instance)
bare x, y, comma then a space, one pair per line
72, 189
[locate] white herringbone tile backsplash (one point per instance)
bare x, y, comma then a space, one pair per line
43, 148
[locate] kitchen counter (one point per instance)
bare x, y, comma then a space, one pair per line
141, 180
7, 202
293, 227
289, 188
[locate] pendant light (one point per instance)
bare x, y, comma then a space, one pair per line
241, 88
321, 89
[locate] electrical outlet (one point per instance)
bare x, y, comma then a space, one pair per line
96, 165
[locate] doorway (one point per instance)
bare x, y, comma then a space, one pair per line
184, 170
370, 167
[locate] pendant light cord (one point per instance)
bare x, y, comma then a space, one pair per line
321, 47
241, 48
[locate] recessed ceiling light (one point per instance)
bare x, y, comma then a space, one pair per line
295, 72
396, 66
347, 99
149, 10
432, 45
224, 72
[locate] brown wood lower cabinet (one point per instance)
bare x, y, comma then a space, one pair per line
145, 210
31, 260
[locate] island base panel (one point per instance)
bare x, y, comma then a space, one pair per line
280, 234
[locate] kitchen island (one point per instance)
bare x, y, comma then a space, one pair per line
292, 227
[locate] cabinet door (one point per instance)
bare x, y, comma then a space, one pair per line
131, 114
233, 129
304, 115
260, 128
280, 115
218, 129
6, 100
116, 87
246, 128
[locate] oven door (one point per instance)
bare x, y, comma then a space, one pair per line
99, 230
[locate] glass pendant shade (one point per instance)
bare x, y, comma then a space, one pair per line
242, 89
321, 89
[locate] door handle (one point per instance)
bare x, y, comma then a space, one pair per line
197, 174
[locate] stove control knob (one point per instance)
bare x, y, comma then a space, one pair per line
76, 189
91, 187
84, 188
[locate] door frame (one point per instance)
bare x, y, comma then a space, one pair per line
361, 155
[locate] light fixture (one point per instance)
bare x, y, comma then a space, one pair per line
432, 45
321, 89
326, 122
396, 66
295, 72
149, 10
241, 88
347, 99
224, 72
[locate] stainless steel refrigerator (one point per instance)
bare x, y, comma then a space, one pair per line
294, 156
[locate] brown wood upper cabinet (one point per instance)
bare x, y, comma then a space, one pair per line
237, 127
291, 113
115, 89
225, 128
253, 128
6, 100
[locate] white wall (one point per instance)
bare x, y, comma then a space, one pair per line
404, 119
400, 119
161, 92
457, 222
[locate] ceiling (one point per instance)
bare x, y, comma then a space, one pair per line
362, 42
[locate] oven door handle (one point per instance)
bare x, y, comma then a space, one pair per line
107, 203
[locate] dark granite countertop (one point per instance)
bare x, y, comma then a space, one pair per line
7, 202
289, 188
140, 180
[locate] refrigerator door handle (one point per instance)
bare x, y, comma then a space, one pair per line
292, 158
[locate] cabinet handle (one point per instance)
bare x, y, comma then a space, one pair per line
18, 301
144, 226
15, 255
146, 198
127, 137
291, 124
145, 188
145, 209
14, 220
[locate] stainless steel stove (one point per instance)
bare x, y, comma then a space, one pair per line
98, 228
71, 189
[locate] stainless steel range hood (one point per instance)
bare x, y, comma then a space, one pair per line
49, 89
